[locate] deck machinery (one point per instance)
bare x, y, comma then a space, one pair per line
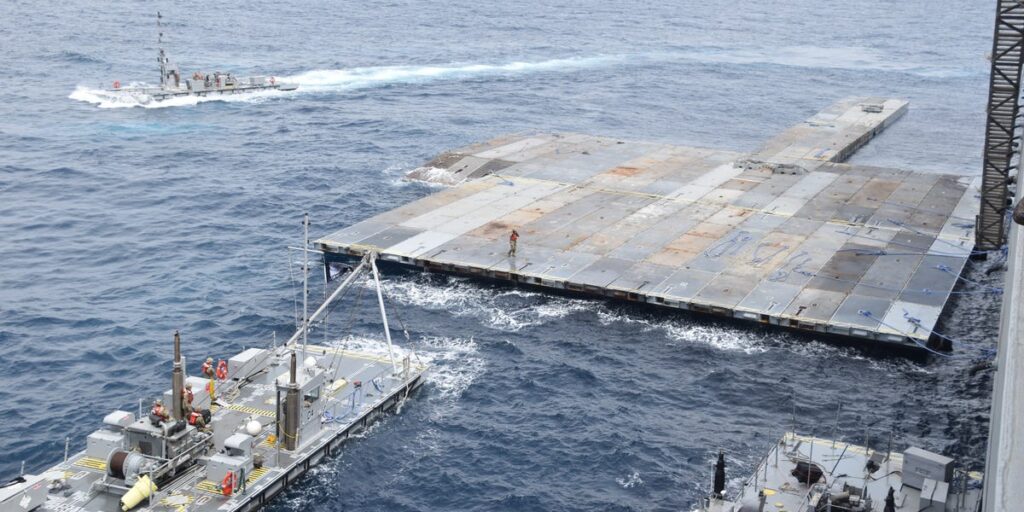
268, 416
810, 474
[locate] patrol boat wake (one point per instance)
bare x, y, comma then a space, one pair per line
234, 437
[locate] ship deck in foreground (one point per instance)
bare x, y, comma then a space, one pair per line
277, 412
808, 474
785, 236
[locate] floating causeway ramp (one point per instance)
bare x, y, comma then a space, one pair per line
787, 235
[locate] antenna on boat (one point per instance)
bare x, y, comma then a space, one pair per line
305, 283
165, 63
177, 381
161, 56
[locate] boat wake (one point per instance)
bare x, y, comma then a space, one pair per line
368, 77
340, 80
359, 78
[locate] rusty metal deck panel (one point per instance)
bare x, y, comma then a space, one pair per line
786, 236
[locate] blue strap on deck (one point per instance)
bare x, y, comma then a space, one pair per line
867, 314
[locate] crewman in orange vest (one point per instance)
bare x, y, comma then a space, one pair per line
196, 418
210, 373
160, 411
207, 368
512, 239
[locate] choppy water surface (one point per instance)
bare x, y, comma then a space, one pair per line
119, 225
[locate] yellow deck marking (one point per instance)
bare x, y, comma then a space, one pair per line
92, 463
177, 500
214, 488
208, 486
251, 410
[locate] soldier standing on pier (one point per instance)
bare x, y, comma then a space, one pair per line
512, 239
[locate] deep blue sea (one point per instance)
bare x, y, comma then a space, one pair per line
120, 225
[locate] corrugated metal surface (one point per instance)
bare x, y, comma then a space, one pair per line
866, 252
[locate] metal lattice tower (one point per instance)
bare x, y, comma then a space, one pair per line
1001, 124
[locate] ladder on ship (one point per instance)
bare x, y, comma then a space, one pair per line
1001, 138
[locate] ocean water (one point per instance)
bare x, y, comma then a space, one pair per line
120, 224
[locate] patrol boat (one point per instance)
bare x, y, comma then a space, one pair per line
810, 474
266, 417
200, 84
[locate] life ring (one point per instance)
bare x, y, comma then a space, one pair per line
271, 80
222, 370
229, 483
117, 84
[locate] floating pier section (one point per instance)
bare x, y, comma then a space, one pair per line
787, 235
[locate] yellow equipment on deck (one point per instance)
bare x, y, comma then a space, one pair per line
142, 489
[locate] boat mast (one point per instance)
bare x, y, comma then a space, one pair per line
161, 57
305, 284
324, 307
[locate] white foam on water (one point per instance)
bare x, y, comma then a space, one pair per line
328, 80
433, 176
374, 76
104, 98
516, 309
454, 362
372, 346
631, 481
504, 310
677, 330
400, 176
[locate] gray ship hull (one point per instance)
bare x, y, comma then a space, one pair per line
146, 95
